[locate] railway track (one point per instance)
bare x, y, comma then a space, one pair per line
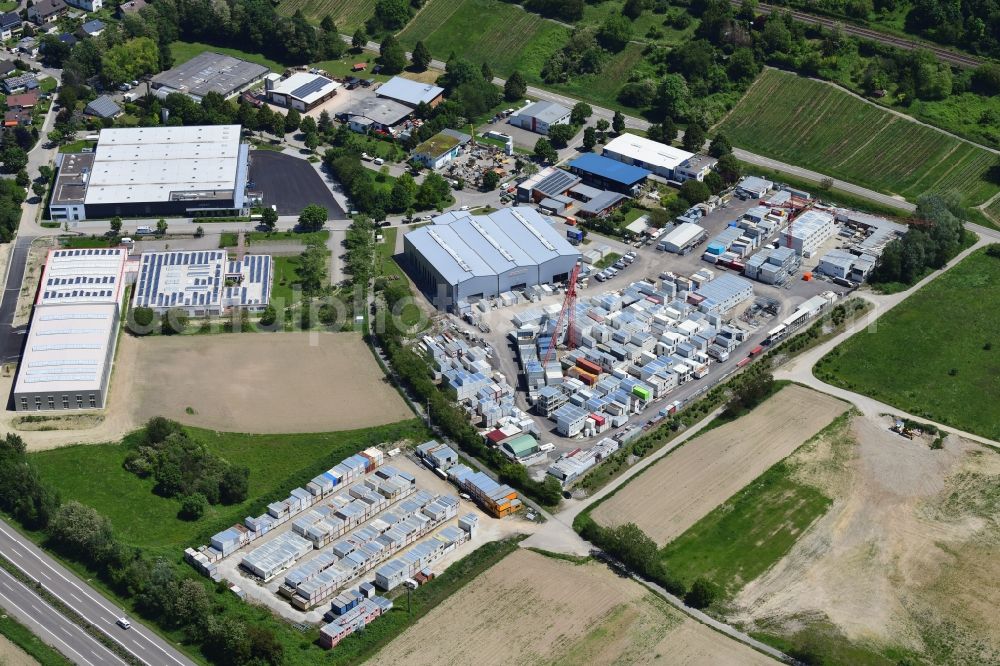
942, 54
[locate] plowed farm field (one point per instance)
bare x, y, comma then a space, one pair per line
534, 609
668, 498
819, 126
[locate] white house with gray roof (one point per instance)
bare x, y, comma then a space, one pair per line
540, 116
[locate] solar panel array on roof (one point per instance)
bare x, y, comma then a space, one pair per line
198, 280
313, 86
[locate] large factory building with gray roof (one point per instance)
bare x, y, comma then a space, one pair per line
466, 257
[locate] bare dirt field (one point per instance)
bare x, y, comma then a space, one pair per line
12, 655
533, 609
262, 383
241, 382
32, 274
676, 492
908, 556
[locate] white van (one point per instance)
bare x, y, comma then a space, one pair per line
378, 161
127, 241
143, 230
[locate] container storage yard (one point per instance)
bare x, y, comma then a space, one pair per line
310, 555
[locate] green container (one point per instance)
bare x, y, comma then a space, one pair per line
642, 392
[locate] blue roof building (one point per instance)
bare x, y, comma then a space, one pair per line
608, 174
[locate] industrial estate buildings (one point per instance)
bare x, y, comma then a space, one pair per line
149, 171
465, 257
71, 341
209, 72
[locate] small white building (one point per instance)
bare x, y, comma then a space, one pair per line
441, 148
653, 156
682, 238
301, 91
86, 5
540, 116
695, 167
725, 292
754, 187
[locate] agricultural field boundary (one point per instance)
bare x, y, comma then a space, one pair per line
799, 120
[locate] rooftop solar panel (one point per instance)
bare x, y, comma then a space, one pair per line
309, 88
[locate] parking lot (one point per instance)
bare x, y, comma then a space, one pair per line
290, 183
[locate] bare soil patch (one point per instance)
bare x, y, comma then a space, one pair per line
907, 557
533, 609
37, 253
43, 422
683, 487
264, 383
12, 655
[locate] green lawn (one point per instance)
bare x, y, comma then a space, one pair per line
285, 278
21, 636
320, 237
76, 146
492, 31
184, 51
277, 464
608, 260
389, 269
48, 84
348, 14
821, 127
935, 355
83, 242
741, 538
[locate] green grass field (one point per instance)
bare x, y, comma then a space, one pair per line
348, 14
492, 31
184, 51
820, 127
20, 635
937, 354
743, 537
277, 464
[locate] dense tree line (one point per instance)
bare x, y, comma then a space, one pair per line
12, 195
929, 244
22, 493
182, 466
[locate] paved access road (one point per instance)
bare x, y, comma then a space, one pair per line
11, 339
94, 608
52, 627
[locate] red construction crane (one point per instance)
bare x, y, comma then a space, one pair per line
568, 307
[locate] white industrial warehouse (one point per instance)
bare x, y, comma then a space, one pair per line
654, 156
465, 257
149, 171
71, 341
203, 282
